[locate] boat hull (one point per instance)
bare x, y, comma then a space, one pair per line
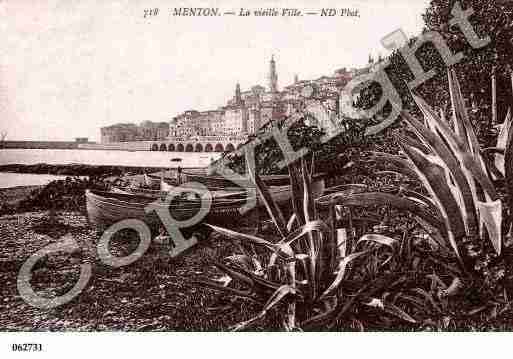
106, 208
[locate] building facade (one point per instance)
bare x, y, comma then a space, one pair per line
127, 132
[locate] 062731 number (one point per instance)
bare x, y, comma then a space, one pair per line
27, 347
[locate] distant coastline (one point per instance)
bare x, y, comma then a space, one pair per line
54, 145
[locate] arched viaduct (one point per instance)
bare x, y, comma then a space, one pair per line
217, 144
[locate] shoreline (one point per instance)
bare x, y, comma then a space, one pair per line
76, 169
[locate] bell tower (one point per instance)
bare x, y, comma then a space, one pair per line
273, 76
238, 97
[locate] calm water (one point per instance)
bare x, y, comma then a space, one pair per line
93, 157
111, 158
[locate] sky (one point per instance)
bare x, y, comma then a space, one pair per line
69, 67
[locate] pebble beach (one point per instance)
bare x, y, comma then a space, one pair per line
154, 293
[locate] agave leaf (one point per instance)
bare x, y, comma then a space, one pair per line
242, 237
462, 192
308, 202
296, 183
473, 164
491, 217
272, 207
256, 281
377, 238
422, 199
312, 226
386, 199
246, 324
463, 125
331, 245
273, 300
502, 141
508, 164
436, 182
459, 127
482, 178
341, 272
414, 140
292, 220
221, 288
398, 312
472, 138
235, 274
347, 188
342, 242
502, 138
281, 249
312, 236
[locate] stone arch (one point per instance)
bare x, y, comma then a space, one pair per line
171, 147
219, 148
230, 147
163, 147
189, 148
179, 147
198, 148
154, 147
208, 147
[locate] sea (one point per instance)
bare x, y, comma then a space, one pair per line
147, 159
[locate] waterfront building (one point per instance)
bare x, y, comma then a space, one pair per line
127, 132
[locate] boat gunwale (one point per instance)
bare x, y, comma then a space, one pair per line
94, 195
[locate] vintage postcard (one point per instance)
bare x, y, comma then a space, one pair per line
263, 166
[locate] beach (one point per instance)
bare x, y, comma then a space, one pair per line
154, 293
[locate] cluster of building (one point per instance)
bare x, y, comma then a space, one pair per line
243, 114
127, 132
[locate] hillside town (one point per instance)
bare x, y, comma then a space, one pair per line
242, 115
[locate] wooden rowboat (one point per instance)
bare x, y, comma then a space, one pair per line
107, 208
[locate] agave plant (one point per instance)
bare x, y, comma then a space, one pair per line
302, 273
451, 167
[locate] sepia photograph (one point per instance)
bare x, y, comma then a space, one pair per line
253, 166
